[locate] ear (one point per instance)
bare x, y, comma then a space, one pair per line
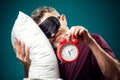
63, 19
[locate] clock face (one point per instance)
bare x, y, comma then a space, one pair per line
69, 52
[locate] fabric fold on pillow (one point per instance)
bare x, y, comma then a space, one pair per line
43, 59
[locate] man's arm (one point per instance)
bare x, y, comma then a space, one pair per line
23, 56
108, 65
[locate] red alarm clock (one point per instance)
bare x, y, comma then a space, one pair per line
68, 50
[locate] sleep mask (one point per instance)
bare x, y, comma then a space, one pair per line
50, 26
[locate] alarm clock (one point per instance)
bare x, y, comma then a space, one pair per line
68, 50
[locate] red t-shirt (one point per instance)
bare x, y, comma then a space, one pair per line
85, 67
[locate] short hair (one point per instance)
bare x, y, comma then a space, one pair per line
38, 13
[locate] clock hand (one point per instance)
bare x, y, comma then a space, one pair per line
69, 53
71, 49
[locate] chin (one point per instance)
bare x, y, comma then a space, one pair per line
55, 45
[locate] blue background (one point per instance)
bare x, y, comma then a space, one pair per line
98, 16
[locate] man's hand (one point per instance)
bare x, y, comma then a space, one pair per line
22, 55
80, 33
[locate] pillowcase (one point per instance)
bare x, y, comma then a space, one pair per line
43, 59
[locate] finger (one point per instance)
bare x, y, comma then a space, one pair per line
76, 34
15, 44
72, 31
27, 56
81, 31
69, 32
22, 50
18, 47
27, 53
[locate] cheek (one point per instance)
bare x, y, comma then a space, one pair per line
62, 23
66, 28
51, 40
55, 45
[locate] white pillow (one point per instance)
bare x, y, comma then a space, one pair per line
43, 59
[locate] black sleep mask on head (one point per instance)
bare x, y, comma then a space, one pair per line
50, 26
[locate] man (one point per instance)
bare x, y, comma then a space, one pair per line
96, 61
